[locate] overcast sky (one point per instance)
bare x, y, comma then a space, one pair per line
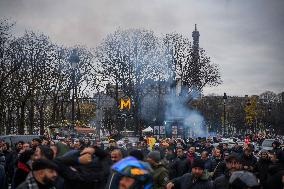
244, 37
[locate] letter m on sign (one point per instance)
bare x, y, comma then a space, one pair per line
124, 104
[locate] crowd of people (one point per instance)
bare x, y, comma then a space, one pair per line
170, 164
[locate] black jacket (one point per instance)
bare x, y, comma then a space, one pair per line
222, 182
179, 167
261, 169
186, 181
89, 176
249, 161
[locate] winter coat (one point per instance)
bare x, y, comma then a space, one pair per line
191, 158
215, 162
219, 169
93, 175
208, 164
23, 168
188, 182
2, 159
179, 167
238, 150
21, 174
274, 180
2, 177
168, 161
10, 163
113, 180
222, 182
249, 161
160, 176
215, 168
30, 183
261, 169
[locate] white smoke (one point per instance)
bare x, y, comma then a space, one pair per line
177, 107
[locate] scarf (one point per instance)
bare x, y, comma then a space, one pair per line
191, 158
30, 180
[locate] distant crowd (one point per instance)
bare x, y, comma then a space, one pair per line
200, 163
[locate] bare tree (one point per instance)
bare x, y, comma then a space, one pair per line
129, 58
194, 71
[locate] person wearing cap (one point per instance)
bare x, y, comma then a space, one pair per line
161, 174
233, 163
42, 176
197, 179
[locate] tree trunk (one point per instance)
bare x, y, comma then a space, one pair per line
10, 121
2, 121
21, 126
31, 117
41, 121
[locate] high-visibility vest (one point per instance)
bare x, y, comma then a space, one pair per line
151, 142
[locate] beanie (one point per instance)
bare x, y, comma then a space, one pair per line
198, 163
155, 155
43, 164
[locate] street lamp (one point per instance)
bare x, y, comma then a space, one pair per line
224, 103
74, 60
124, 117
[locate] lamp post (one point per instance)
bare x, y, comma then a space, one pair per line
224, 112
269, 118
74, 60
124, 117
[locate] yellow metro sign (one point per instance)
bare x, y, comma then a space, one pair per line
125, 104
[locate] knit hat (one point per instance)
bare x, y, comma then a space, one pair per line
198, 163
155, 155
43, 164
